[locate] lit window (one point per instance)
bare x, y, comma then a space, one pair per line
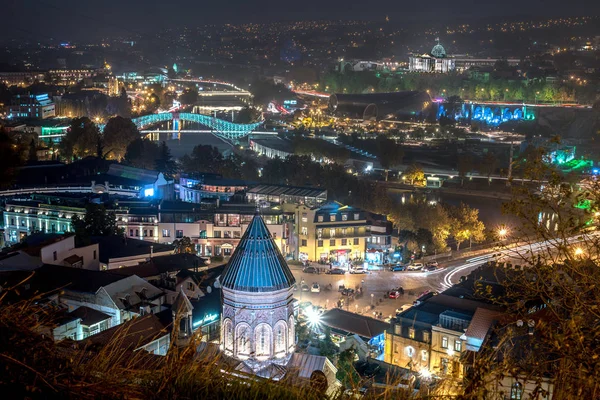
320, 218
516, 391
457, 345
304, 230
304, 217
424, 355
332, 242
411, 333
332, 217
332, 232
356, 216
444, 342
410, 351
426, 336
344, 217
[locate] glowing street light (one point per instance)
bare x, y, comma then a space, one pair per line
578, 251
425, 373
313, 317
502, 232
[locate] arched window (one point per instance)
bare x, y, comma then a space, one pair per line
280, 337
227, 334
291, 332
243, 335
516, 391
410, 351
263, 340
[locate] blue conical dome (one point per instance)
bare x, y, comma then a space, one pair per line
257, 265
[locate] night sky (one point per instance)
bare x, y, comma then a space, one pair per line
70, 19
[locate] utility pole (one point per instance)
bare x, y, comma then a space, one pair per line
510, 163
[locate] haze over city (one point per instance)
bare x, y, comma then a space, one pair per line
302, 200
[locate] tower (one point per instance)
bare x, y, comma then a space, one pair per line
257, 287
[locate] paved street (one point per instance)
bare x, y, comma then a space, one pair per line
377, 283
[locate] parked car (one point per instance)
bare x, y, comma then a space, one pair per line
424, 296
336, 271
433, 264
403, 308
315, 288
348, 292
398, 267
415, 267
429, 268
305, 287
358, 270
310, 270
394, 294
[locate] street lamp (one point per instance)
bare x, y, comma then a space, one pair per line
578, 251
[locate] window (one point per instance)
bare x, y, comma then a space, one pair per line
304, 217
217, 234
319, 233
444, 342
320, 218
304, 230
94, 254
131, 232
344, 217
332, 217
516, 391
303, 243
166, 233
344, 242
411, 333
190, 286
145, 233
227, 234
137, 232
356, 241
178, 234
54, 256
343, 231
444, 367
410, 351
237, 235
426, 337
356, 216
457, 345
424, 355
319, 243
12, 221
332, 242
332, 233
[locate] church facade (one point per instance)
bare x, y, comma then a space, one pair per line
258, 306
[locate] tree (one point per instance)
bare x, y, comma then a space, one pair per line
96, 222
465, 225
142, 153
464, 165
184, 245
189, 97
247, 115
81, 139
414, 174
550, 298
165, 163
32, 151
346, 373
10, 159
204, 158
488, 165
326, 346
119, 132
389, 153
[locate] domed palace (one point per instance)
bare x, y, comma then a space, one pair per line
258, 310
436, 61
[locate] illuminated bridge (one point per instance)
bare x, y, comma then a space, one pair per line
219, 127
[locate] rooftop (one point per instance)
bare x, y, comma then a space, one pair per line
89, 316
282, 190
361, 325
112, 247
257, 264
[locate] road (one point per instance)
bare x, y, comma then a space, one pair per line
377, 283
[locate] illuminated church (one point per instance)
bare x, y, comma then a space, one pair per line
436, 61
258, 318
258, 304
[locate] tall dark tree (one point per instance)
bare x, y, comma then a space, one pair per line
464, 165
9, 159
81, 139
142, 153
189, 96
389, 153
165, 163
96, 222
119, 132
32, 151
204, 158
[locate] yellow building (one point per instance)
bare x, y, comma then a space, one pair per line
331, 232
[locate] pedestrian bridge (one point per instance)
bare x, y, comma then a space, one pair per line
222, 128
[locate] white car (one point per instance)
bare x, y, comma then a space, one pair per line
358, 270
315, 288
415, 267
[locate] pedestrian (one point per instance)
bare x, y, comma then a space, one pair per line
330, 266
